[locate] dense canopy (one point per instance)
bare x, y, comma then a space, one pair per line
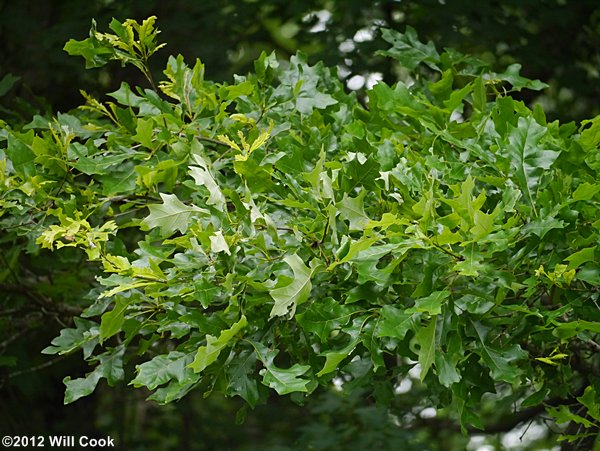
416, 259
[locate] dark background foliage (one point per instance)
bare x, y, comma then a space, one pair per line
557, 41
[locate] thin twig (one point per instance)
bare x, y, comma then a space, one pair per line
37, 367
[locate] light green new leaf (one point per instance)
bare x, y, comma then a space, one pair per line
287, 298
172, 215
527, 157
426, 339
209, 353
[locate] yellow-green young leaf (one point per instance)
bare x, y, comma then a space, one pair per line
209, 353
287, 298
171, 215
426, 339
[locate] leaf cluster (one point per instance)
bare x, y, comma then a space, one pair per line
275, 234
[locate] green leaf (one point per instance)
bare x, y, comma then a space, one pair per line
144, 132
161, 369
174, 390
425, 337
511, 75
287, 298
536, 398
21, 156
7, 82
408, 50
78, 388
395, 322
218, 243
499, 361
590, 134
562, 414
353, 249
283, 381
586, 191
352, 209
323, 317
580, 257
84, 335
590, 401
241, 380
527, 157
110, 367
542, 226
173, 215
445, 366
112, 321
431, 304
206, 355
334, 358
203, 177
94, 53
568, 330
